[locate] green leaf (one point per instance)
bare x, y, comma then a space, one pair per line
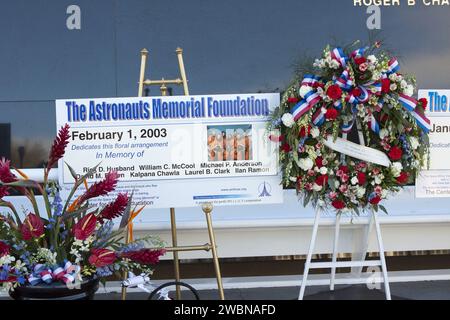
383, 209
21, 183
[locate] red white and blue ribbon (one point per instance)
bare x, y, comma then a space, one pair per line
393, 66
409, 103
359, 52
318, 118
339, 55
344, 81
309, 101
310, 80
373, 124
42, 273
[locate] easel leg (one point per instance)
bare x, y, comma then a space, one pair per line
176, 261
310, 252
212, 239
361, 256
382, 257
335, 250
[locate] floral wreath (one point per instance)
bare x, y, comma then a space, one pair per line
343, 92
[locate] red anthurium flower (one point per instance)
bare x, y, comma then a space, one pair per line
375, 200
85, 227
4, 249
395, 153
331, 114
338, 204
144, 256
334, 92
361, 178
32, 227
102, 257
322, 180
403, 177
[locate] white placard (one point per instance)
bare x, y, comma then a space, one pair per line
176, 151
435, 181
358, 151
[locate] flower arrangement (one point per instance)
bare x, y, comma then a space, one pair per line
347, 90
70, 241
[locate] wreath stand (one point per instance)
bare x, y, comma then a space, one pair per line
207, 207
338, 264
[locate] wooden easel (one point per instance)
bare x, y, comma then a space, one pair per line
338, 264
207, 207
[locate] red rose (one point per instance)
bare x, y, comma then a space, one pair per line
85, 227
395, 153
360, 60
102, 257
303, 132
334, 92
319, 162
292, 100
424, 103
286, 147
338, 204
375, 200
403, 177
331, 114
4, 249
361, 178
32, 227
322, 180
344, 169
385, 85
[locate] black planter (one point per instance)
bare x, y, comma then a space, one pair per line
56, 291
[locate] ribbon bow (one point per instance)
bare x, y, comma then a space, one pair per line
65, 273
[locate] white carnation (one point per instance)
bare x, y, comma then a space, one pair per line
393, 87
403, 84
396, 169
323, 170
304, 90
288, 120
305, 164
354, 180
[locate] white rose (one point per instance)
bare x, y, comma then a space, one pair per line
293, 179
354, 180
378, 179
323, 170
396, 169
288, 120
384, 133
409, 90
372, 59
315, 132
316, 187
305, 164
360, 192
393, 87
304, 90
414, 142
